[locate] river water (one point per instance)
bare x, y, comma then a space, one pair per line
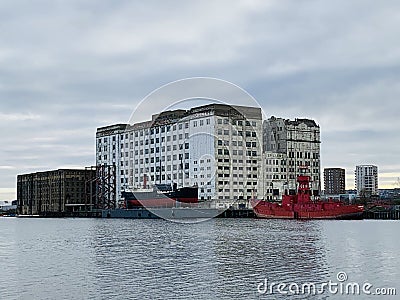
217, 259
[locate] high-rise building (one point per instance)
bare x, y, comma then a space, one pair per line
334, 181
298, 141
366, 180
215, 147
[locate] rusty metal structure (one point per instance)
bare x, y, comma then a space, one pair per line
101, 191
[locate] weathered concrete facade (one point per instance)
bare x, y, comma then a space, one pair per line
57, 191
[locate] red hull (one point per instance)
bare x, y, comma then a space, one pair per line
316, 210
300, 206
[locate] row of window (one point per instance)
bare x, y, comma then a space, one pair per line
307, 155
162, 177
174, 147
303, 163
237, 175
195, 123
239, 122
201, 122
162, 129
275, 176
158, 169
275, 162
275, 169
236, 152
240, 183
237, 133
237, 143
237, 168
157, 159
240, 161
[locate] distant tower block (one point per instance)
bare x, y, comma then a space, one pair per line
334, 181
366, 177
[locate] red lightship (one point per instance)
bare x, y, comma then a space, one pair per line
301, 206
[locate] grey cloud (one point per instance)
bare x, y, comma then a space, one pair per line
76, 65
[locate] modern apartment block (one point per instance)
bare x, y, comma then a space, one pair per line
298, 143
57, 191
215, 147
366, 180
334, 181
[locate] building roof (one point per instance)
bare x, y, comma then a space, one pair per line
296, 122
173, 116
58, 170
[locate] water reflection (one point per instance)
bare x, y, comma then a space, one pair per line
157, 259
279, 250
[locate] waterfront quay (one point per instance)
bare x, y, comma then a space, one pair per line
177, 213
382, 215
153, 213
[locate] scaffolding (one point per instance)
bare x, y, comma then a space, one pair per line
101, 191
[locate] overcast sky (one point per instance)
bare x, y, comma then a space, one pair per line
68, 67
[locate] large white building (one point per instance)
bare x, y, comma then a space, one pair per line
227, 151
366, 180
216, 147
296, 144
